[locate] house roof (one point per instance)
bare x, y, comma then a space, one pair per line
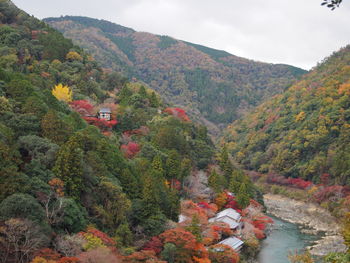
230, 213
233, 242
105, 110
232, 223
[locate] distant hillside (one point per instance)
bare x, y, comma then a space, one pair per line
305, 132
208, 83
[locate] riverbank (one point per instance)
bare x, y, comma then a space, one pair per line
312, 219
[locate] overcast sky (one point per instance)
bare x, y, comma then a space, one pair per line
296, 32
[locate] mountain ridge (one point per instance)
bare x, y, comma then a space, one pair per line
210, 84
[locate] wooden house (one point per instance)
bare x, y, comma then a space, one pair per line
105, 114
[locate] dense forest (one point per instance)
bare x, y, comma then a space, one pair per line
96, 167
206, 82
305, 131
78, 187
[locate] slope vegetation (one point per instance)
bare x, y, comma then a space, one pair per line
305, 132
208, 83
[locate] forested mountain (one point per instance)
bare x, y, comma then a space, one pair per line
206, 82
304, 132
93, 166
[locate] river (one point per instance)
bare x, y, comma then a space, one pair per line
285, 238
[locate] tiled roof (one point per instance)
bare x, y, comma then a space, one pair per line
233, 242
230, 213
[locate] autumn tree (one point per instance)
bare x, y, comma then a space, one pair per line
73, 56
19, 239
220, 253
63, 93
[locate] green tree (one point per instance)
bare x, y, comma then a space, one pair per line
195, 228
225, 163
142, 92
54, 128
149, 197
242, 197
22, 206
124, 235
169, 253
112, 206
217, 181
129, 184
157, 164
69, 167
154, 100
173, 165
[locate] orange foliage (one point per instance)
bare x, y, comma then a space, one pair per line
220, 253
70, 260
48, 254
142, 256
221, 200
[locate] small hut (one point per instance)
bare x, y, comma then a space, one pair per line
105, 114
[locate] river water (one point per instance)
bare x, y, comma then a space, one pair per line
285, 238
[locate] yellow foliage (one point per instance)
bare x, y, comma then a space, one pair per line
300, 116
72, 55
312, 190
63, 93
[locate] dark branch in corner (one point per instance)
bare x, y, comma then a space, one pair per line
332, 4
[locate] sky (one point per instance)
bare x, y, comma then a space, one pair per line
296, 32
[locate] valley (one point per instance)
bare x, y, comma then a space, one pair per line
119, 146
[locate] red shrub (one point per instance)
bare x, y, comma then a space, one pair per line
48, 254
177, 112
154, 244
68, 260
130, 149
259, 234
83, 107
100, 123
108, 241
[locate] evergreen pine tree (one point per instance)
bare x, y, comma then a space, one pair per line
142, 92
235, 181
173, 165
217, 182
124, 235
154, 100
195, 228
69, 167
149, 197
225, 163
157, 164
54, 128
185, 169
242, 197
125, 94
129, 184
